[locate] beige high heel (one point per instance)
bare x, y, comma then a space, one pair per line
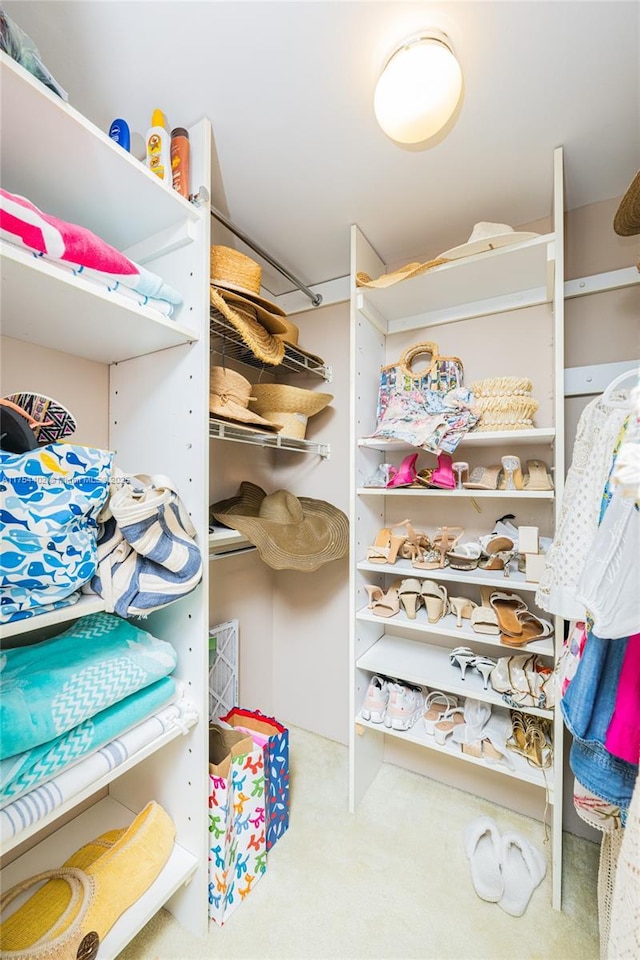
410, 597
385, 547
462, 608
374, 593
434, 596
389, 603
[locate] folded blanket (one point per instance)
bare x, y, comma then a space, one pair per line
21, 773
22, 221
27, 810
50, 687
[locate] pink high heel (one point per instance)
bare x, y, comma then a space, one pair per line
406, 472
442, 476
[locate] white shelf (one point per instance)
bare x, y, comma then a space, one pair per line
43, 304
104, 781
459, 494
428, 666
224, 542
105, 815
446, 627
86, 171
488, 438
499, 280
85, 605
489, 578
219, 430
522, 770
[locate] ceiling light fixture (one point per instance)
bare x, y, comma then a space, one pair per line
418, 89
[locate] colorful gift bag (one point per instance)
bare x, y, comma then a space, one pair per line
274, 738
237, 847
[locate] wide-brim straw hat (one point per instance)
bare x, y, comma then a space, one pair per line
244, 317
487, 236
239, 274
626, 222
291, 336
289, 406
229, 395
291, 533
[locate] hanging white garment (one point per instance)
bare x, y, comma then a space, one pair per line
626, 473
596, 436
608, 586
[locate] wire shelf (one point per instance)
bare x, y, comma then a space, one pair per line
230, 431
226, 340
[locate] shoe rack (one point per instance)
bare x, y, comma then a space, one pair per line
501, 312
149, 392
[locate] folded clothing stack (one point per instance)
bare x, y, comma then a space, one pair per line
504, 403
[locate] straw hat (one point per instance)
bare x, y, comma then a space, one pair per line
626, 222
229, 395
244, 318
289, 406
290, 533
291, 337
487, 236
241, 277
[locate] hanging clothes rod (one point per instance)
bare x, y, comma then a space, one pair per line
315, 298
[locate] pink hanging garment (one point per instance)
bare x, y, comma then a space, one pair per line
623, 734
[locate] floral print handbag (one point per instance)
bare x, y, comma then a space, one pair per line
399, 382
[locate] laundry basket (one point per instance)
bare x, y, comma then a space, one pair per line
223, 668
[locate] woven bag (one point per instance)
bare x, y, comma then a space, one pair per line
404, 387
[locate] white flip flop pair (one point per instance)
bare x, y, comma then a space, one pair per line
504, 869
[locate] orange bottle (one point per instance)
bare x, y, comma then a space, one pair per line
180, 160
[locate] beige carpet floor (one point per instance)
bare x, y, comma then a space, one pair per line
390, 881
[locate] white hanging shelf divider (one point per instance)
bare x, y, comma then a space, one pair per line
230, 431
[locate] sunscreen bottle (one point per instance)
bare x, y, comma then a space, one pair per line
119, 131
180, 161
158, 147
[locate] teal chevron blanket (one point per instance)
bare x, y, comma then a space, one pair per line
50, 687
21, 773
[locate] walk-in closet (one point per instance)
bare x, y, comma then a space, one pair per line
319, 480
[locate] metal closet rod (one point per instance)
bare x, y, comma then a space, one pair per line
316, 298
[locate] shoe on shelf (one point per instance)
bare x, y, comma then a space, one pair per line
537, 476
436, 705
507, 606
462, 657
511, 478
375, 702
405, 706
484, 666
444, 727
464, 556
405, 474
462, 608
410, 596
461, 470
533, 628
523, 869
491, 743
484, 619
434, 596
483, 478
530, 737
496, 543
374, 593
389, 603
445, 539
442, 476
483, 847
386, 546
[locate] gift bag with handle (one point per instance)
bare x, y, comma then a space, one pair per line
405, 388
273, 738
237, 845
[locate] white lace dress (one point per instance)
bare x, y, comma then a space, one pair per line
596, 437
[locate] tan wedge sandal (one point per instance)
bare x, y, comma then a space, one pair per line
538, 476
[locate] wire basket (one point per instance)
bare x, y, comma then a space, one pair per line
223, 668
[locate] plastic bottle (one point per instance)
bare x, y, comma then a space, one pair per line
180, 160
158, 147
119, 131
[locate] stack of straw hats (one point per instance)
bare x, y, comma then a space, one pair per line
290, 407
229, 396
504, 403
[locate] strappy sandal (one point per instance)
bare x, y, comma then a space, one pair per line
445, 539
498, 561
462, 608
507, 606
533, 628
444, 727
462, 657
483, 478
434, 596
465, 556
374, 594
538, 476
529, 738
436, 705
385, 548
410, 596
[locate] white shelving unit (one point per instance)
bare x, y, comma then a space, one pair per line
475, 300
158, 381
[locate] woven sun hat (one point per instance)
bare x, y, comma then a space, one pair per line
291, 533
626, 222
289, 406
291, 336
244, 317
229, 396
240, 278
487, 236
